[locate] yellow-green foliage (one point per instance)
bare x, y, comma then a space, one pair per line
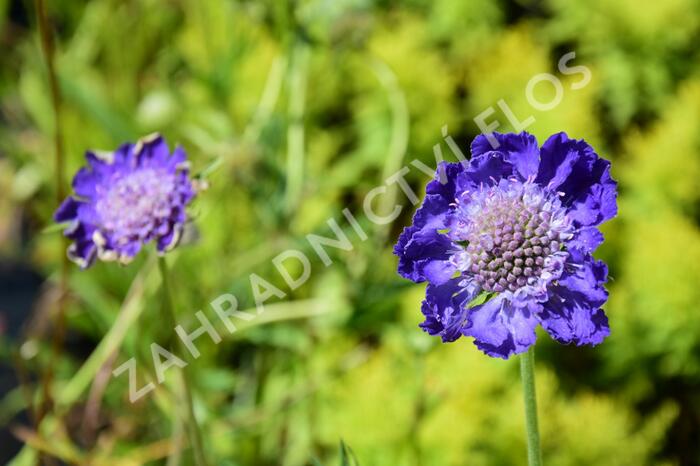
401, 407
637, 51
657, 295
503, 69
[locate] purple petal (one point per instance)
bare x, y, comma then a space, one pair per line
96, 163
154, 151
82, 252
67, 211
578, 325
519, 150
423, 252
168, 240
572, 167
179, 157
486, 169
572, 314
130, 249
444, 308
124, 156
444, 184
87, 214
501, 329
587, 240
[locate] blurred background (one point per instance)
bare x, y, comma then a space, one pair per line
309, 105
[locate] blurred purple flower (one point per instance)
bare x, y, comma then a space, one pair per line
134, 195
505, 244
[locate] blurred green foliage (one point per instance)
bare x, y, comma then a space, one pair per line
369, 85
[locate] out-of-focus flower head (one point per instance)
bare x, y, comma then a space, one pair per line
125, 199
505, 241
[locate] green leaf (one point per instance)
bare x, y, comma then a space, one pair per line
481, 298
347, 457
54, 228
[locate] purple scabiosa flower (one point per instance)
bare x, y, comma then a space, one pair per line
505, 241
125, 199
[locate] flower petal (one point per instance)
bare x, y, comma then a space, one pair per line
501, 329
82, 253
154, 151
586, 240
572, 314
486, 169
572, 167
178, 158
424, 253
83, 249
444, 308
519, 150
444, 184
169, 240
124, 156
67, 211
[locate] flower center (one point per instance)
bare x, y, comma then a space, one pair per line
512, 234
133, 204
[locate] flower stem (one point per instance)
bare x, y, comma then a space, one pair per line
58, 337
194, 431
527, 373
295, 130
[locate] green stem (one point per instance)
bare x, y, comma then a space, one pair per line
127, 315
398, 142
58, 337
295, 129
527, 373
194, 431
